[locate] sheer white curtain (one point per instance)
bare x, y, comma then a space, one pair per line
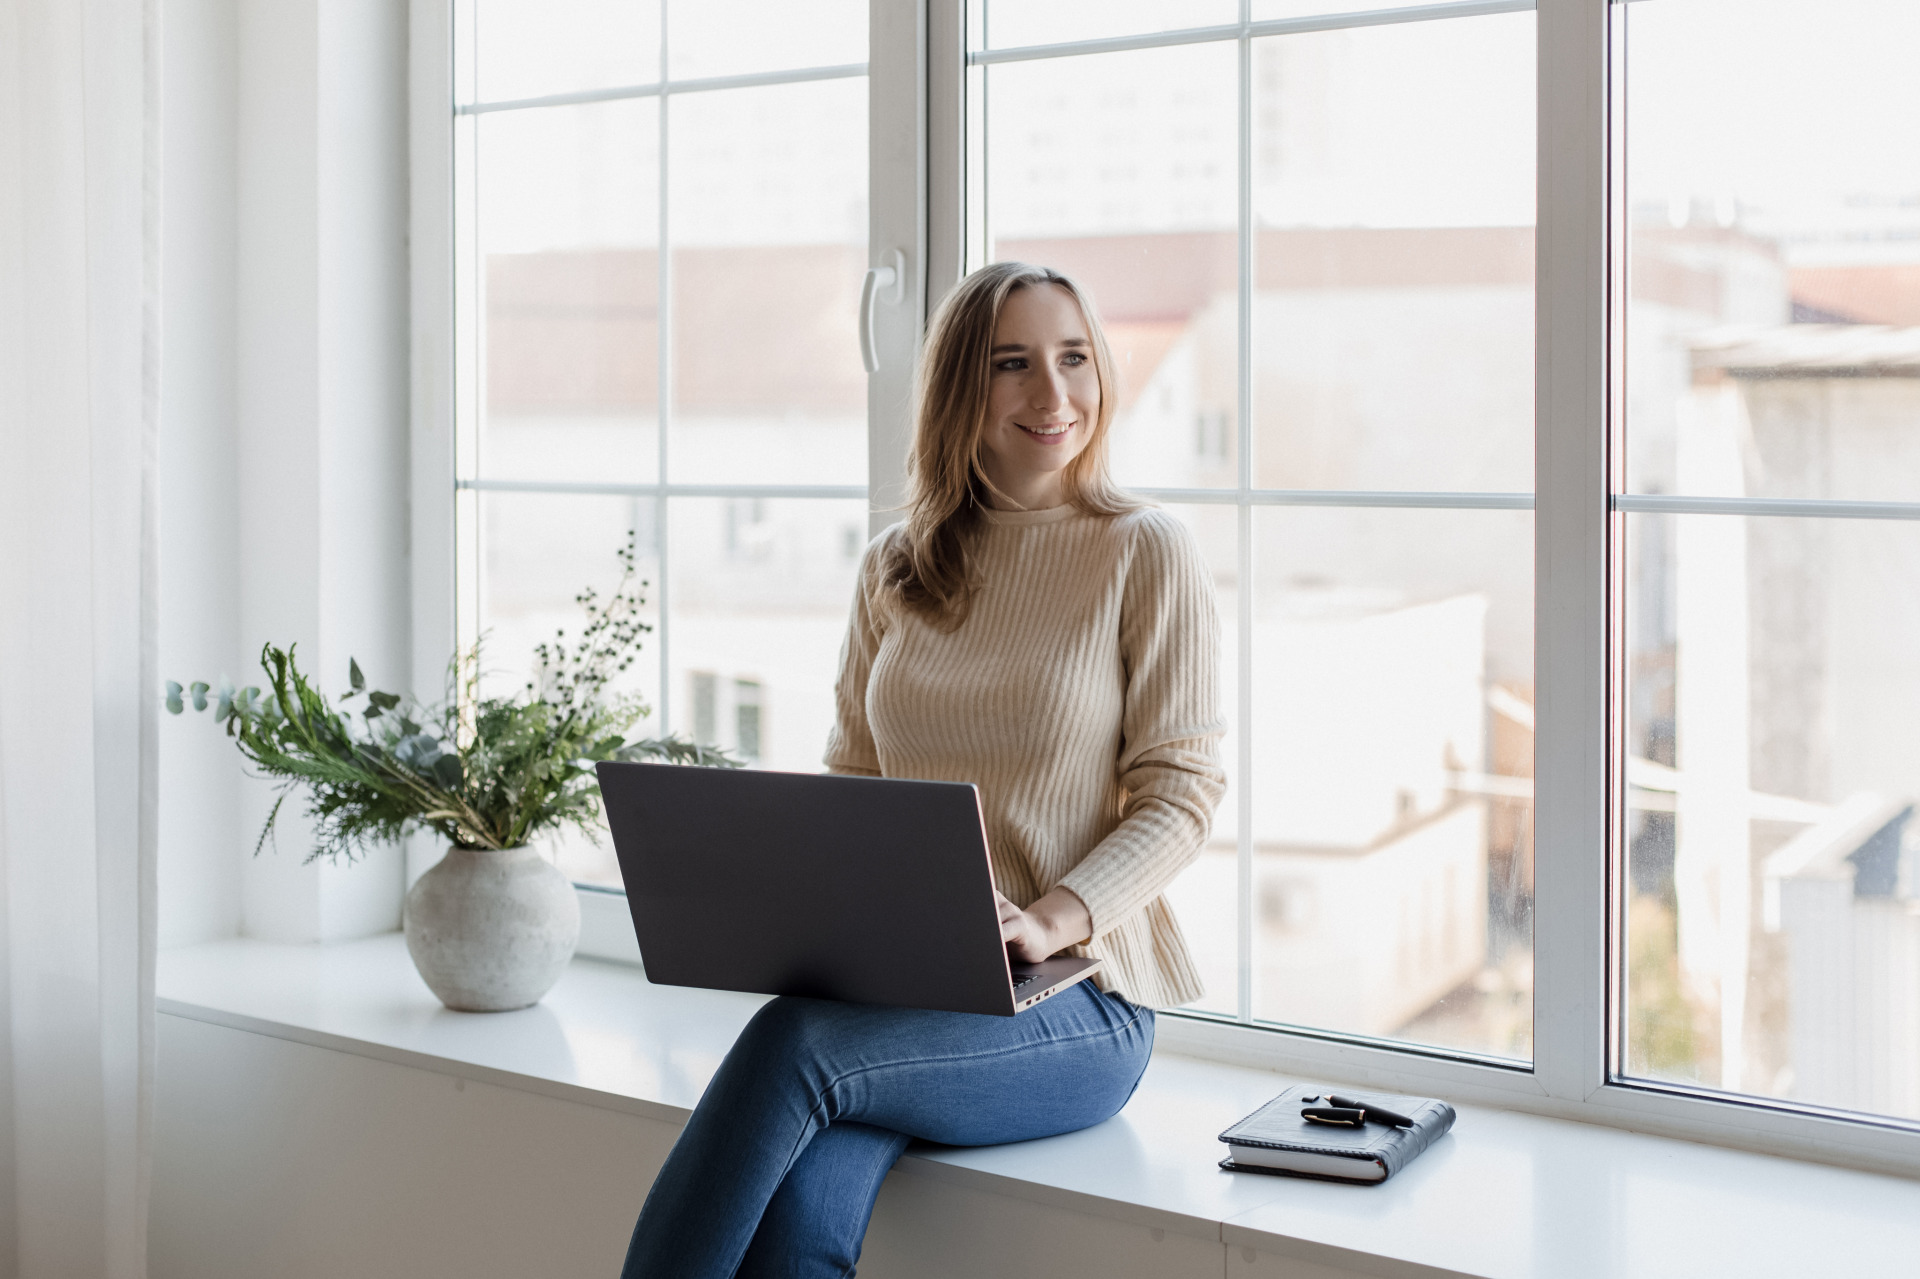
78, 361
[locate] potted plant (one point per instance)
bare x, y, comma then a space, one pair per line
493, 924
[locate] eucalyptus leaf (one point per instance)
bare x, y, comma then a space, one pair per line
473, 768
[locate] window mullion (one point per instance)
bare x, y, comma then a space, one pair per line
1243, 571
897, 168
946, 78
1571, 532
663, 382
431, 266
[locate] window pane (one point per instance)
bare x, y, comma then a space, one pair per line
768, 191
529, 48
1266, 10
1393, 313
1774, 188
537, 552
1120, 169
1392, 774
739, 37
568, 214
1204, 897
1007, 24
1773, 926
758, 606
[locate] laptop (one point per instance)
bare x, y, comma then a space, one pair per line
867, 889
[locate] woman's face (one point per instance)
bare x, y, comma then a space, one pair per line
1043, 397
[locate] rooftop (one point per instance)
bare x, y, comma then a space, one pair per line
1809, 350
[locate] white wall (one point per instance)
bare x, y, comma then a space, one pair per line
284, 437
202, 839
277, 1158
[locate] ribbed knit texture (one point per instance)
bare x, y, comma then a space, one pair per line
1081, 695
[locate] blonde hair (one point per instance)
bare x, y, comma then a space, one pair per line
927, 567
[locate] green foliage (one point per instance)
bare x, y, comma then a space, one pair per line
480, 772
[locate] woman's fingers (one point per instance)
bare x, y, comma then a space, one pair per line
1012, 918
1015, 924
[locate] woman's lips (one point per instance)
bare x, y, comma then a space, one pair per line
1048, 432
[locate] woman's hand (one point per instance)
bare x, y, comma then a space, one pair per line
1042, 930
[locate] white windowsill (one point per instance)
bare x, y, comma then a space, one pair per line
1505, 1196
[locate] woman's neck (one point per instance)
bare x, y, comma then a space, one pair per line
1026, 493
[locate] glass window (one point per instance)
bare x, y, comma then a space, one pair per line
767, 200
1328, 235
567, 225
1310, 227
657, 300
706, 707
746, 37
1772, 663
536, 48
757, 603
1393, 200
1120, 169
1030, 22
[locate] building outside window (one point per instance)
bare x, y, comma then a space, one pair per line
705, 687
1301, 250
1326, 257
1772, 665
748, 708
658, 292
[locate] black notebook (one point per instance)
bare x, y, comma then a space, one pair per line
1276, 1139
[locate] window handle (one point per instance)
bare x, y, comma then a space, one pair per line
892, 278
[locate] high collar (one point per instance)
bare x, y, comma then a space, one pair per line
1024, 519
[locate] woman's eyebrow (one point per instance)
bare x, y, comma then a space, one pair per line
1021, 346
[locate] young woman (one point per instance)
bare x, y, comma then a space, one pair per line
1031, 629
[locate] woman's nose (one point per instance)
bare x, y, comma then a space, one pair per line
1050, 389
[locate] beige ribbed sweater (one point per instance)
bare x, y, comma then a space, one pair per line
1081, 696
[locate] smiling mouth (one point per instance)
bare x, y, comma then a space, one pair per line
1051, 431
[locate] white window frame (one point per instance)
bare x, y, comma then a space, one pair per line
917, 116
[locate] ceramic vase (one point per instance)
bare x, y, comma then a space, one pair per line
492, 929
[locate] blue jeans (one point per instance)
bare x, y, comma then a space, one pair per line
777, 1170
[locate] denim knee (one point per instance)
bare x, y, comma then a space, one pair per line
787, 1025
788, 1034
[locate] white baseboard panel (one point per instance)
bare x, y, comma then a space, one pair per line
280, 1158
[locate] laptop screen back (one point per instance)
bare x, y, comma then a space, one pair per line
866, 889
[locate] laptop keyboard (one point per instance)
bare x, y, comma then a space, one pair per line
1022, 980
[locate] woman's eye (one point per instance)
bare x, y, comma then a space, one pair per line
1013, 365
1073, 359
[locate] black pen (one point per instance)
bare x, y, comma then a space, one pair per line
1378, 1114
1345, 1116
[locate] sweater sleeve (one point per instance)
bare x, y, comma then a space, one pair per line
850, 747
1169, 767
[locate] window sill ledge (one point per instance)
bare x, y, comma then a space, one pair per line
1506, 1196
